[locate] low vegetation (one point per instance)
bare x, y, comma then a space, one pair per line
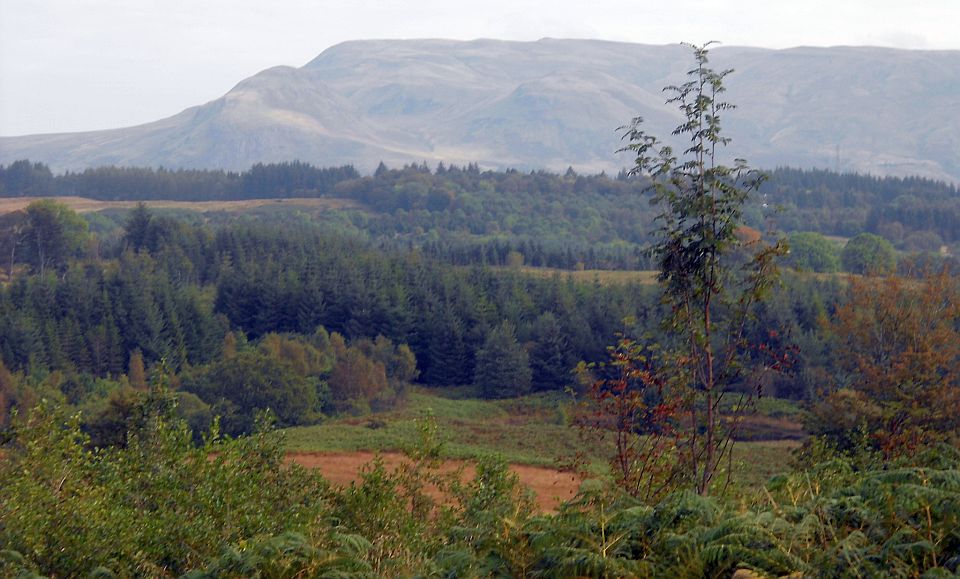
162, 506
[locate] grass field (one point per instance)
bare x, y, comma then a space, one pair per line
646, 277
601, 276
533, 430
83, 205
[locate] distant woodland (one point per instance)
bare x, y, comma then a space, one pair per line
466, 215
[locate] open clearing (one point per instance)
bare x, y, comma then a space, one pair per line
605, 277
533, 434
83, 205
755, 463
550, 486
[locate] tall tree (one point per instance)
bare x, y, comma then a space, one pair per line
137, 227
447, 357
250, 382
709, 293
549, 359
136, 373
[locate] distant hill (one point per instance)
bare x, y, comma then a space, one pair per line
546, 104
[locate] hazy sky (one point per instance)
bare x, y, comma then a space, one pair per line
69, 65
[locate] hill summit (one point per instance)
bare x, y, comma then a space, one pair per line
546, 104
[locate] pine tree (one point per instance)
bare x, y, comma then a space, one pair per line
503, 367
447, 358
548, 358
137, 228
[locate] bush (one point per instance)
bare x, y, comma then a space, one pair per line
159, 506
243, 385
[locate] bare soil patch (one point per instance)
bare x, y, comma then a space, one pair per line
83, 205
551, 486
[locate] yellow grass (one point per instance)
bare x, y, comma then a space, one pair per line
603, 276
83, 205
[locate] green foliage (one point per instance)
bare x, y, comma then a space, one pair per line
474, 531
357, 381
811, 251
231, 508
488, 537
503, 367
711, 279
868, 254
54, 233
250, 382
158, 507
176, 297
106, 420
559, 221
828, 521
892, 519
13, 235
23, 178
296, 179
137, 228
94, 317
290, 555
399, 367
550, 362
9, 398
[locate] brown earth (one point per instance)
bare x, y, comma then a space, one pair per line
83, 205
551, 487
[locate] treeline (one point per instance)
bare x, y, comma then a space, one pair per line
537, 253
293, 179
563, 216
914, 213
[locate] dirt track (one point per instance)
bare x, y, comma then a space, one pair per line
551, 486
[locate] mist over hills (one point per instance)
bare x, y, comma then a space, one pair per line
546, 104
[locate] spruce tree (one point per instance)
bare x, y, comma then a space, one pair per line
548, 359
503, 367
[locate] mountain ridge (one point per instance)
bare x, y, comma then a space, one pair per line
546, 104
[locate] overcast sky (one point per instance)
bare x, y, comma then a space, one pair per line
70, 65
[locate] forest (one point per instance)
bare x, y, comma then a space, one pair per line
155, 364
464, 215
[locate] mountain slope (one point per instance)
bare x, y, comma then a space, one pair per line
546, 104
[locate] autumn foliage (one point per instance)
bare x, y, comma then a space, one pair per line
633, 406
900, 344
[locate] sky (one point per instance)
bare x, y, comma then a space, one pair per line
73, 65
